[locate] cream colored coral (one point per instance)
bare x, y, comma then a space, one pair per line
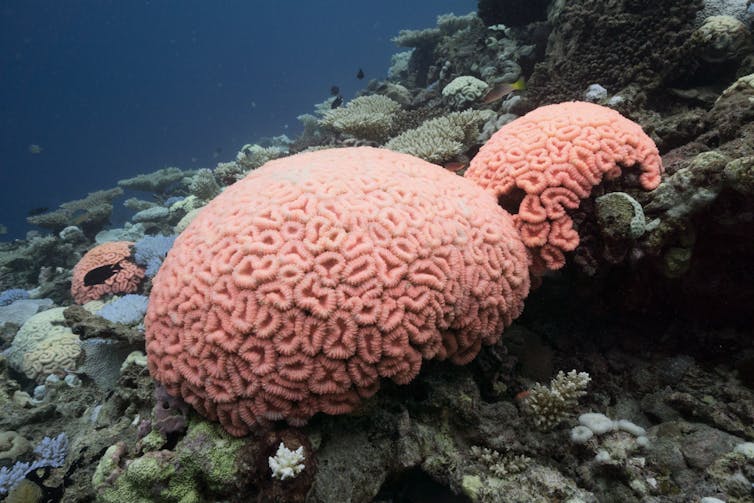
464, 90
54, 355
722, 38
548, 406
365, 117
441, 139
44, 344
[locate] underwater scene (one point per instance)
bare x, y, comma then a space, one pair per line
392, 252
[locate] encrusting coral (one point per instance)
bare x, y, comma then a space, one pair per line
544, 163
106, 268
300, 286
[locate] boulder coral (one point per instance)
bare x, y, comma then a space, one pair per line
542, 164
295, 290
106, 268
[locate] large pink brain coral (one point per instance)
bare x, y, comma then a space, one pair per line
553, 156
300, 286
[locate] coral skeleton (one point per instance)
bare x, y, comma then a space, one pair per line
287, 464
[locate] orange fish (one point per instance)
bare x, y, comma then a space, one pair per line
455, 166
502, 90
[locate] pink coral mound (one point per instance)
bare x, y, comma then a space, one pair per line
550, 159
105, 269
303, 284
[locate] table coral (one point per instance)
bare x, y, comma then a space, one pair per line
300, 286
104, 269
544, 163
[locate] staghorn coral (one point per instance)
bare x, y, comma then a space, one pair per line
544, 163
297, 288
106, 268
91, 213
442, 139
158, 181
366, 117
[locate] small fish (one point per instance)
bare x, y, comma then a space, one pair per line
334, 91
217, 153
336, 102
455, 166
360, 74
37, 211
99, 275
35, 149
502, 90
3, 229
522, 395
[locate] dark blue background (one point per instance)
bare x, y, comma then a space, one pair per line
110, 89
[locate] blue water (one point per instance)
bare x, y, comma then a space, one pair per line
109, 89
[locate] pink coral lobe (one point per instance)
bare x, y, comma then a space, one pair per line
555, 155
301, 286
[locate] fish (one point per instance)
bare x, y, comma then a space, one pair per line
3, 229
334, 91
455, 166
217, 153
35, 149
336, 102
360, 74
99, 275
37, 211
502, 90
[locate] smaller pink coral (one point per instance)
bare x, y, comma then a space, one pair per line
548, 160
104, 269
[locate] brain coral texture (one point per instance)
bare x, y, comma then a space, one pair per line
106, 268
552, 157
299, 287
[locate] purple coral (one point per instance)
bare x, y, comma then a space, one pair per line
52, 453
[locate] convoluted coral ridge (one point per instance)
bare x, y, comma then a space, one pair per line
299, 287
552, 157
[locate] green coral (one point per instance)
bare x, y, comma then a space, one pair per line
203, 467
620, 216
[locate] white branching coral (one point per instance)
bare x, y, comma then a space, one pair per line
441, 139
549, 405
286, 464
366, 117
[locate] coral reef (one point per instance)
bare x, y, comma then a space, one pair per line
309, 315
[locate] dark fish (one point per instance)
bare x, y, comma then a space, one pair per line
336, 102
334, 91
37, 211
99, 275
360, 74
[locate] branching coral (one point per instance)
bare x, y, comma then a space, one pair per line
104, 269
90, 213
442, 139
366, 117
542, 164
548, 406
300, 286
